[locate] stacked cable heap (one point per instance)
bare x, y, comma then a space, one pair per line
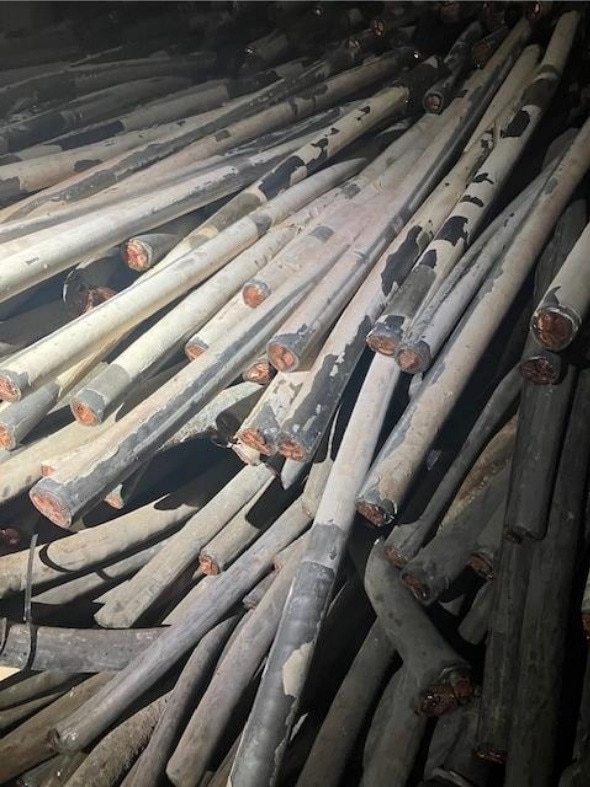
293, 368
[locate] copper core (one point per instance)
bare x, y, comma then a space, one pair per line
438, 700
409, 361
586, 624
292, 450
382, 344
9, 391
482, 566
533, 11
536, 11
114, 500
255, 439
253, 296
136, 255
282, 358
373, 513
490, 753
7, 440
83, 414
194, 351
86, 298
208, 565
47, 470
552, 329
539, 371
418, 588
433, 103
10, 536
378, 26
260, 372
395, 557
95, 296
51, 507
445, 696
